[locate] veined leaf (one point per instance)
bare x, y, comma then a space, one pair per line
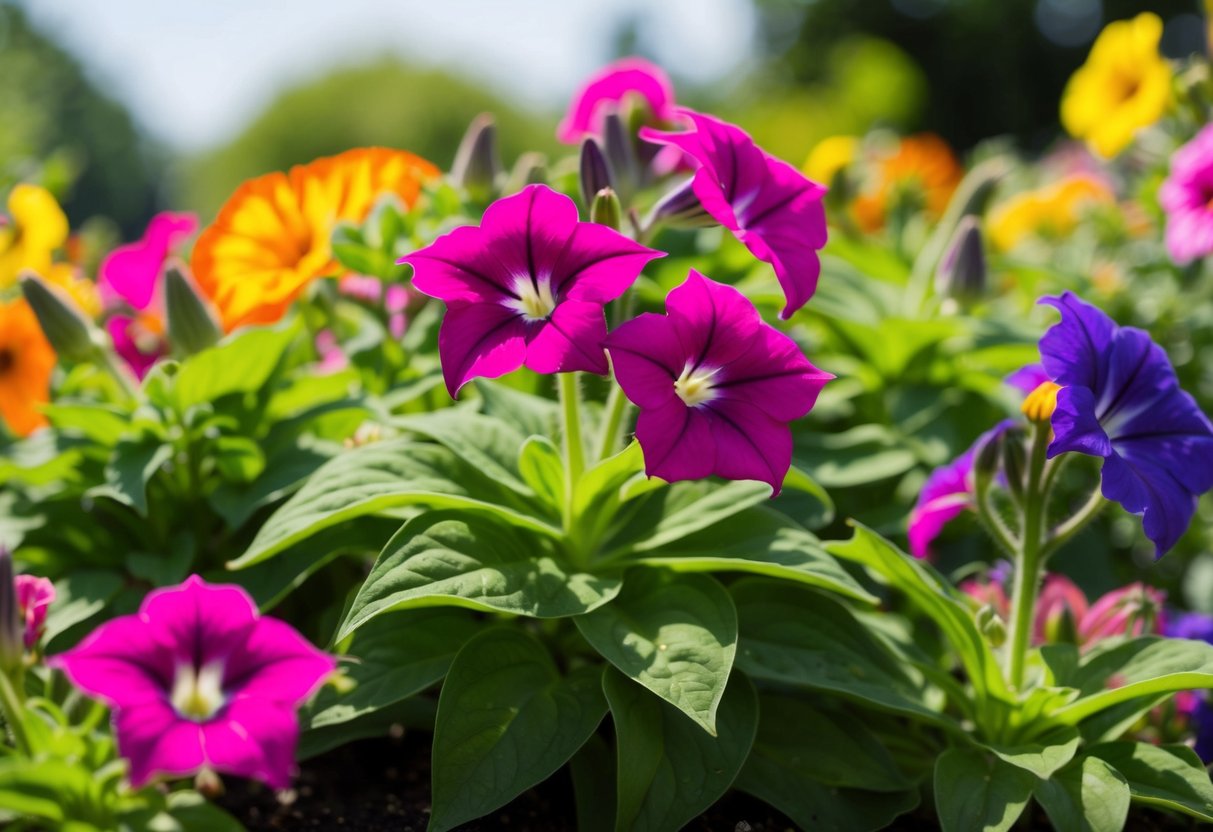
979, 791
1087, 796
1170, 776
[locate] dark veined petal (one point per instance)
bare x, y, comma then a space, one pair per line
750, 445
1075, 427
1074, 351
647, 357
480, 339
677, 442
600, 266
1144, 487
571, 340
715, 323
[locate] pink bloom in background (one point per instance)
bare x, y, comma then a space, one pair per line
332, 357
716, 386
396, 301
34, 597
526, 287
1132, 610
1187, 196
130, 275
768, 205
197, 679
988, 591
610, 87
1059, 599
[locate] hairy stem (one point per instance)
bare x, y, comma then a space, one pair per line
10, 704
1028, 562
574, 450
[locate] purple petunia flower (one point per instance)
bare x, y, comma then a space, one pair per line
1120, 400
1027, 378
768, 205
609, 87
1186, 195
198, 680
526, 287
716, 386
947, 492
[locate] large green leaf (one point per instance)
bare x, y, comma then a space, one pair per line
974, 790
377, 478
506, 720
533, 415
242, 363
1043, 756
661, 517
861, 455
670, 770
794, 635
133, 464
484, 442
674, 634
477, 561
1170, 776
78, 597
542, 469
1087, 796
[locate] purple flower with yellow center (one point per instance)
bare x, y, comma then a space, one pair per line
1117, 398
1187, 197
198, 680
716, 386
526, 287
768, 205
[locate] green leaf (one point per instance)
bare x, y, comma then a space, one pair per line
484, 442
935, 597
670, 770
241, 363
670, 514
506, 720
100, 423
805, 500
593, 770
760, 541
1170, 776
78, 597
979, 791
861, 455
794, 635
674, 634
541, 468
238, 458
598, 493
533, 415
459, 559
417, 712
378, 478
1087, 796
1044, 756
50, 790
394, 657
196, 814
129, 470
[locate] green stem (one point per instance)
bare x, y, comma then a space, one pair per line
108, 362
1027, 569
574, 450
616, 408
10, 703
1089, 511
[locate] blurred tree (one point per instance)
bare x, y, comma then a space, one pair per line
994, 67
386, 103
56, 128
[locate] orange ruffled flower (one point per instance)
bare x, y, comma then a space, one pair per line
922, 167
271, 238
26, 362
1050, 212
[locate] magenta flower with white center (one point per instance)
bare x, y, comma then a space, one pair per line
526, 287
1186, 195
610, 86
768, 205
198, 680
34, 597
716, 386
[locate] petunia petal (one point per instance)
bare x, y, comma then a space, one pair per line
481, 339
647, 357
1075, 427
1143, 487
677, 442
773, 375
715, 323
613, 83
253, 738
570, 340
158, 742
1074, 351
601, 266
276, 663
202, 621
750, 445
124, 662
455, 268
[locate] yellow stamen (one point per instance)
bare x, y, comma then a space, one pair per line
695, 387
198, 692
1041, 402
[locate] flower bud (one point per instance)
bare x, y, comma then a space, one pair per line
987, 463
1014, 460
606, 210
71, 334
477, 163
595, 171
191, 325
12, 645
680, 208
620, 154
991, 625
530, 169
961, 275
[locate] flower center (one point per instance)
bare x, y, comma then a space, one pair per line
695, 386
198, 691
1041, 402
535, 301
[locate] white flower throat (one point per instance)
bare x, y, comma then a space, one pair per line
198, 691
535, 301
696, 385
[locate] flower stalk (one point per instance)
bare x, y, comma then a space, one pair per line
1029, 558
574, 450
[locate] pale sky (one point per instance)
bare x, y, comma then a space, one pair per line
194, 73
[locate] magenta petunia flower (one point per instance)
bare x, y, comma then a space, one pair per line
1186, 195
610, 86
130, 276
198, 680
768, 205
716, 386
526, 287
34, 597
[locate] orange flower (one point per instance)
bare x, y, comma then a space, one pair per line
922, 168
1050, 212
271, 238
26, 361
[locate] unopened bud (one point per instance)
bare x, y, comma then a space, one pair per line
595, 172
1014, 460
962, 271
987, 463
12, 644
191, 325
991, 625
680, 208
477, 162
71, 334
208, 784
620, 154
530, 169
606, 210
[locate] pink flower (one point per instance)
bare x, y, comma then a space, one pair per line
1059, 599
612, 85
526, 287
1186, 195
1132, 610
131, 274
987, 591
34, 597
332, 357
198, 680
768, 205
716, 386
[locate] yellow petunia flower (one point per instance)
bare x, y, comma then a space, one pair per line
26, 362
1125, 85
1049, 212
36, 227
271, 238
829, 156
921, 169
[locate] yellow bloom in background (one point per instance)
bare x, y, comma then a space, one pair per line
271, 238
35, 228
1125, 85
1050, 212
922, 168
829, 156
26, 362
